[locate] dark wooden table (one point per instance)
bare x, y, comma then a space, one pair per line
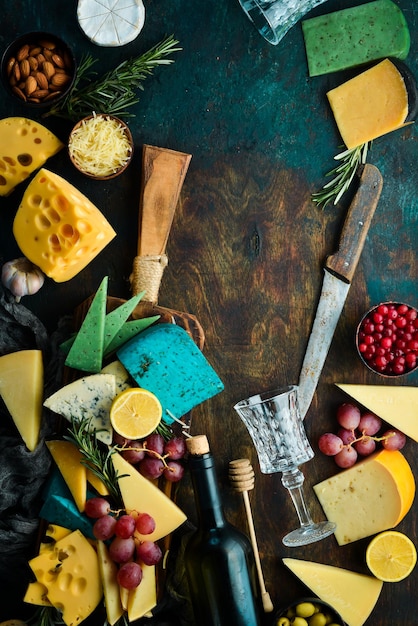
247, 244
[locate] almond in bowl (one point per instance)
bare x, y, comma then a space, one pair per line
101, 146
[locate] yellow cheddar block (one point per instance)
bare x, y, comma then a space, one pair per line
70, 572
58, 228
25, 145
353, 595
370, 105
23, 400
68, 459
373, 495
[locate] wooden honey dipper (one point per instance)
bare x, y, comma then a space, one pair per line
241, 476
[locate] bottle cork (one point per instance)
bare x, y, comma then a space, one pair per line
197, 445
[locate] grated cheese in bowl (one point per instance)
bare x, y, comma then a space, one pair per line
100, 146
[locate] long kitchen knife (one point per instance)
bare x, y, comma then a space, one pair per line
338, 273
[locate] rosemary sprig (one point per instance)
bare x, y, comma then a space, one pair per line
343, 174
47, 616
96, 458
115, 91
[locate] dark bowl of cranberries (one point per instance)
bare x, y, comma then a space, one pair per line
387, 339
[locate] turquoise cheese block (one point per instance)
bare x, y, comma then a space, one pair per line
166, 361
354, 36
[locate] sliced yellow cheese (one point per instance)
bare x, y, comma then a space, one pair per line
96, 482
144, 598
141, 495
396, 405
373, 495
37, 593
58, 228
353, 595
23, 371
68, 459
53, 533
70, 572
370, 105
108, 572
25, 145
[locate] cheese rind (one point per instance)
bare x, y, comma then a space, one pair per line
25, 145
58, 228
25, 366
396, 405
370, 105
353, 595
111, 24
373, 495
355, 35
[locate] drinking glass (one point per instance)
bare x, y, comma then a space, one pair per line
273, 18
278, 434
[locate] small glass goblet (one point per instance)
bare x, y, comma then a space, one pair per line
273, 18
278, 434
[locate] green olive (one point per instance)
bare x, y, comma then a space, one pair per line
318, 619
283, 621
299, 621
305, 609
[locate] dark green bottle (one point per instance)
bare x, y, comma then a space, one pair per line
219, 559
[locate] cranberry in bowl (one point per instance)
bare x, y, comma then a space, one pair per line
387, 339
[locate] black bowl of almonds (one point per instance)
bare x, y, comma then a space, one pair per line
38, 69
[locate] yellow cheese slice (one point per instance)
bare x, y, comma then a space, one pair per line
108, 572
96, 483
373, 495
36, 593
144, 598
58, 228
370, 105
70, 572
53, 533
68, 459
396, 405
25, 145
23, 400
141, 495
352, 595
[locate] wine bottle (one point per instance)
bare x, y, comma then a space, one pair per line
219, 559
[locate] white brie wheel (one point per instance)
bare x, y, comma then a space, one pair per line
111, 22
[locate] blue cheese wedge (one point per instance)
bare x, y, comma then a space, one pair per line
111, 23
89, 398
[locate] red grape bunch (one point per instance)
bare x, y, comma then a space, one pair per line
125, 547
358, 435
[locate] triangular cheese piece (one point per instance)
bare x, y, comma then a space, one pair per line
108, 572
141, 495
396, 405
96, 482
88, 398
129, 330
68, 459
352, 595
116, 318
144, 598
123, 379
21, 387
86, 353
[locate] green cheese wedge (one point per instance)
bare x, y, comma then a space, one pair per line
354, 36
116, 319
86, 353
128, 331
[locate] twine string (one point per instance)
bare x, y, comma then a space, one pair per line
147, 272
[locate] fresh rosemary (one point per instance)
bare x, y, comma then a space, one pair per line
96, 458
47, 616
115, 91
342, 175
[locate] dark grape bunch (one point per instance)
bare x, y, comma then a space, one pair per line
358, 435
125, 548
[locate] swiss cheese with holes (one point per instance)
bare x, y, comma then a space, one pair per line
25, 146
58, 228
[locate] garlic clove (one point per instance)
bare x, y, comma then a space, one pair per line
22, 278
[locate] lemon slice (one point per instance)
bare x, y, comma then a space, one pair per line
391, 556
135, 413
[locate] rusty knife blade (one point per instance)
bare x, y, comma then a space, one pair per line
338, 274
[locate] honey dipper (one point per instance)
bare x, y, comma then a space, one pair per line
241, 476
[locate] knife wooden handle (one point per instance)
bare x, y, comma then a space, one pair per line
359, 216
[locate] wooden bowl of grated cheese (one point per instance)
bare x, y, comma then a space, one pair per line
101, 146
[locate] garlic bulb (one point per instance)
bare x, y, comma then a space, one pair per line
22, 277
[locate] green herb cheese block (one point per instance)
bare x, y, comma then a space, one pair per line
63, 511
165, 360
127, 331
354, 36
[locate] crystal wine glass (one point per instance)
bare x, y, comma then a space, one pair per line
278, 434
273, 18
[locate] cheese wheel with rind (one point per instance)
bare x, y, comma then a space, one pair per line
111, 23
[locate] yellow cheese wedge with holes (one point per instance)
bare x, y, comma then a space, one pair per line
68, 459
370, 105
396, 405
21, 387
373, 495
58, 228
25, 145
353, 595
